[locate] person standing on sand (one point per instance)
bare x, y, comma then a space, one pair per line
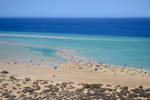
115, 72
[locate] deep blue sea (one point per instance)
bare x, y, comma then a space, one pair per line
112, 41
139, 27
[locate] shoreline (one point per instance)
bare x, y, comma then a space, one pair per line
144, 64
82, 73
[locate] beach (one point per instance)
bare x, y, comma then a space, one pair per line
77, 69
85, 74
74, 50
74, 75
55, 66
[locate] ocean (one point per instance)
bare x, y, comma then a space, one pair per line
112, 41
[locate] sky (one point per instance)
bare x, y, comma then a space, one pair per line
75, 8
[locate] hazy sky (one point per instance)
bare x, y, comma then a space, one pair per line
74, 8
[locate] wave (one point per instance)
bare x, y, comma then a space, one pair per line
61, 37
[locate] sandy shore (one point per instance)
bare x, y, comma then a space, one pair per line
81, 73
75, 81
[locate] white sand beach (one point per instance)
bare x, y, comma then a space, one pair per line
81, 73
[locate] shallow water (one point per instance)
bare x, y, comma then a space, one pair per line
113, 50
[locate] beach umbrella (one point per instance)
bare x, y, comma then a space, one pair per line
96, 69
88, 90
101, 67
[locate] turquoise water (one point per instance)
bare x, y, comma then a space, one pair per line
115, 50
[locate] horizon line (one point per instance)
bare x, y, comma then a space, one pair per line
83, 17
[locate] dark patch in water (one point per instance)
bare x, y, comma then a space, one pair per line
45, 51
